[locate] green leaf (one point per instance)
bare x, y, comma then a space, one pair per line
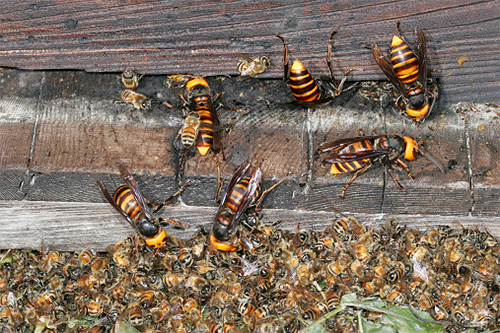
394, 319
370, 326
124, 326
405, 321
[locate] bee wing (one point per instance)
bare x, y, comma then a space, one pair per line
244, 57
129, 179
341, 143
386, 67
356, 156
422, 58
113, 203
240, 172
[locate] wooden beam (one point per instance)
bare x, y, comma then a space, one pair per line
74, 226
160, 37
63, 132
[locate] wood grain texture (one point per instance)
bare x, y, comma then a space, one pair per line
201, 37
72, 226
63, 131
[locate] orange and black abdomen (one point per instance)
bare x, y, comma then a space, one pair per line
125, 199
238, 192
203, 106
346, 167
302, 84
404, 62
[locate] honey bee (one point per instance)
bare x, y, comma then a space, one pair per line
130, 79
86, 256
396, 272
118, 289
4, 281
59, 315
197, 284
147, 298
137, 100
264, 285
177, 80
51, 260
132, 205
246, 308
306, 90
94, 308
185, 257
249, 67
361, 252
316, 312
396, 296
158, 314
409, 74
244, 191
301, 238
358, 154
190, 304
360, 271
291, 324
172, 280
190, 128
135, 315
340, 265
14, 317
438, 312
304, 273
262, 312
47, 300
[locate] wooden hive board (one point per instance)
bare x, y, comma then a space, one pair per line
61, 132
206, 38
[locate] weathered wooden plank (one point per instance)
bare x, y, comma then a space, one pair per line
15, 144
205, 37
82, 136
80, 146
13, 184
73, 226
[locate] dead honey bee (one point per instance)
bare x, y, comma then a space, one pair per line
249, 67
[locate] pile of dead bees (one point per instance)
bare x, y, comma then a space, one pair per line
287, 282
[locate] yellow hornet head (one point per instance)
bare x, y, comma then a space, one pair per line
411, 148
197, 81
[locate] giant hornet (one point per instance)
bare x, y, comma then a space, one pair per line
408, 73
358, 154
243, 192
201, 124
129, 201
304, 87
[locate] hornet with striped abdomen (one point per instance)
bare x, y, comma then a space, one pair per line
201, 126
243, 192
307, 90
408, 72
358, 154
129, 201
